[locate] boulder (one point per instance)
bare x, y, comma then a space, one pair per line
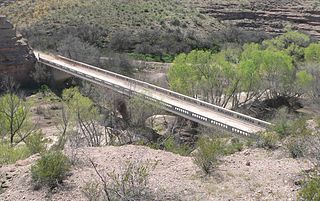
162, 124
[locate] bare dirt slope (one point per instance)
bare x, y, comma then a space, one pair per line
268, 177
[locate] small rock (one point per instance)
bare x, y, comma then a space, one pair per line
69, 174
248, 163
5, 185
298, 182
54, 191
247, 153
8, 177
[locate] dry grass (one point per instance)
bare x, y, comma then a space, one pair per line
126, 14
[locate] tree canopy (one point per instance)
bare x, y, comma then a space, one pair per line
274, 68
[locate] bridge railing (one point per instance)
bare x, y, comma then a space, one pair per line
175, 94
167, 106
216, 108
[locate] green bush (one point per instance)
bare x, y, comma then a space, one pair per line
9, 155
45, 90
170, 145
207, 153
311, 190
50, 169
268, 140
36, 142
128, 184
285, 127
295, 147
232, 148
281, 123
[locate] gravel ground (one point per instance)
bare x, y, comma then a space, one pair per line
253, 174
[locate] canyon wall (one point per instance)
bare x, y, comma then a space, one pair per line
16, 58
270, 16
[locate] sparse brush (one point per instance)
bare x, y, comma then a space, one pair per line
36, 142
206, 156
128, 184
50, 169
268, 140
9, 155
310, 191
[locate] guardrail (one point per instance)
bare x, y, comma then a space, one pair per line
168, 92
175, 94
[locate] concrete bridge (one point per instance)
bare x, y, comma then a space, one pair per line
190, 108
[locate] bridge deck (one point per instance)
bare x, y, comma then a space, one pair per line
158, 95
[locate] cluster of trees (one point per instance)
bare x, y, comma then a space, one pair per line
285, 66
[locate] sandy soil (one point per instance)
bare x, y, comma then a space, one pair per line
269, 176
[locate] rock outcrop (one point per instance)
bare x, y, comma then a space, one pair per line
16, 58
270, 16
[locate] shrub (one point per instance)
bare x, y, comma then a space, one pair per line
295, 147
299, 128
9, 155
234, 147
311, 190
170, 145
284, 127
92, 191
207, 153
36, 142
281, 123
311, 146
45, 90
130, 183
50, 169
268, 140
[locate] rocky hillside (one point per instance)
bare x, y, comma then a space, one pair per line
16, 58
250, 175
271, 16
161, 28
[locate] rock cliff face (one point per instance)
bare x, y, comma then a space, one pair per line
16, 58
271, 16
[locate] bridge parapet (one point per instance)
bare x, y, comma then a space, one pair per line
177, 95
180, 111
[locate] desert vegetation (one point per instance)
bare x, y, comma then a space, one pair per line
282, 67
100, 145
90, 116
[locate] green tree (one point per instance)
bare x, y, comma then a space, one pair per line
212, 76
304, 81
312, 53
182, 76
15, 119
266, 70
292, 42
85, 114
